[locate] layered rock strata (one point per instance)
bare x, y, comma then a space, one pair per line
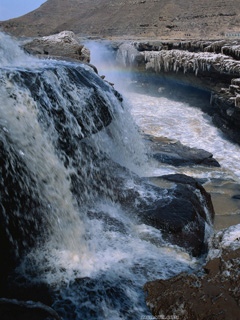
212, 66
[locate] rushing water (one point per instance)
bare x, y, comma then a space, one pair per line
65, 170
59, 166
163, 108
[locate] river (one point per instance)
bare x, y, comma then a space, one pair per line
164, 108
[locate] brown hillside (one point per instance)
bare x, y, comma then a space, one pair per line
166, 19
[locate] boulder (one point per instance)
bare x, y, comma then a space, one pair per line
182, 214
177, 154
214, 294
181, 209
64, 45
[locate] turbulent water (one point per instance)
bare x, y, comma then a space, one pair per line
62, 162
163, 108
70, 153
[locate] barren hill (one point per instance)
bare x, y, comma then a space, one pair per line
166, 19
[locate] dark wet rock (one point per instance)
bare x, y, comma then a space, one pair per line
18, 231
236, 196
12, 309
181, 210
183, 179
110, 223
212, 294
226, 114
177, 154
182, 213
90, 116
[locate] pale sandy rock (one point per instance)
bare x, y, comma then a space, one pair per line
62, 45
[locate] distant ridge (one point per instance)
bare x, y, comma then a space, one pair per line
166, 19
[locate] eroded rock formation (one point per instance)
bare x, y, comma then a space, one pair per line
177, 154
62, 45
212, 66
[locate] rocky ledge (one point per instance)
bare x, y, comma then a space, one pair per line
63, 45
213, 293
210, 65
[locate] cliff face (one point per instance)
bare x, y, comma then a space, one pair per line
135, 18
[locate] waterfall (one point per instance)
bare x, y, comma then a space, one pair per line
71, 191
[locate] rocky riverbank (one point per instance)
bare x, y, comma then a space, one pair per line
213, 66
212, 294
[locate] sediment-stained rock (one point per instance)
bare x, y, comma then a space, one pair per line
212, 294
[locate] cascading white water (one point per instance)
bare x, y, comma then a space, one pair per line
96, 255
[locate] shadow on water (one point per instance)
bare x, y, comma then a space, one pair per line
161, 86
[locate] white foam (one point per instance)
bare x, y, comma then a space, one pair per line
163, 117
230, 238
11, 55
